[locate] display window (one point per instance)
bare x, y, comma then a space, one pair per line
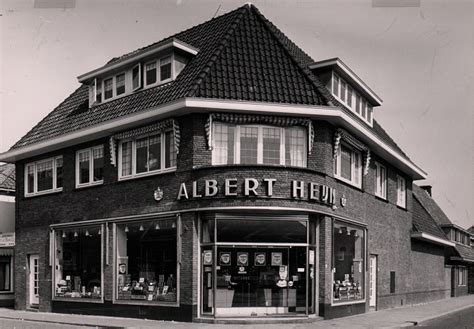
348, 263
78, 263
146, 261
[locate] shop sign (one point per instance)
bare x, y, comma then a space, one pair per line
7, 239
233, 187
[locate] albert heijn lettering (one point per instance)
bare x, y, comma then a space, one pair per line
233, 187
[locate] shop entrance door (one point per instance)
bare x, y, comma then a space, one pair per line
373, 282
34, 280
260, 281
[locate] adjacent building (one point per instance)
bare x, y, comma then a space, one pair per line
7, 233
221, 173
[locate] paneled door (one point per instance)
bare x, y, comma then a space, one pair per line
34, 279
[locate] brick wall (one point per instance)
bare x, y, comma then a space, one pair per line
388, 225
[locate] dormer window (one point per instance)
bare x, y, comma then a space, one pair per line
120, 84
150, 73
136, 77
165, 68
108, 88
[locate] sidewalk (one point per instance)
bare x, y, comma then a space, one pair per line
393, 318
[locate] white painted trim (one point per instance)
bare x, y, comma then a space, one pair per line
7, 198
431, 238
130, 60
181, 106
351, 74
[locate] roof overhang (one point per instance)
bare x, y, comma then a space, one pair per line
431, 238
461, 259
345, 72
172, 43
331, 114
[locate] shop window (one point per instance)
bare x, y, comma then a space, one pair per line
146, 265
147, 155
90, 166
78, 264
401, 192
257, 144
348, 165
6, 273
348, 263
380, 181
44, 176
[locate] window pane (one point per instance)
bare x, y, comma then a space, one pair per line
142, 155
357, 167
364, 104
248, 145
126, 158
223, 151
343, 91
349, 96
369, 113
358, 104
154, 160
150, 73
346, 163
136, 77
165, 68
45, 175
30, 178
120, 84
98, 156
170, 150
295, 146
108, 92
98, 91
59, 172
84, 165
78, 261
271, 145
335, 86
348, 263
146, 261
5, 272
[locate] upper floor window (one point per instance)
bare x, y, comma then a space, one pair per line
90, 166
258, 144
147, 155
401, 192
150, 73
165, 68
136, 76
44, 176
348, 165
120, 84
108, 88
351, 99
380, 181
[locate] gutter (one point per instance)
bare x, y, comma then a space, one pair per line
431, 238
331, 114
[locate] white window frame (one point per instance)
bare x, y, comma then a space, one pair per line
91, 167
171, 57
139, 65
353, 103
124, 84
134, 173
380, 181
157, 62
11, 278
401, 192
462, 276
237, 160
35, 179
354, 170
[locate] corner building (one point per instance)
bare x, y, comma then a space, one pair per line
219, 173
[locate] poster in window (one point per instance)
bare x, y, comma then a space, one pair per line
122, 268
260, 259
277, 258
242, 258
207, 257
224, 259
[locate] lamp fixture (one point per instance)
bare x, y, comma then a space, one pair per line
126, 229
75, 234
141, 228
348, 232
100, 231
64, 235
157, 226
340, 230
173, 225
87, 233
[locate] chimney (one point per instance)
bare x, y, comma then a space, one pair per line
427, 188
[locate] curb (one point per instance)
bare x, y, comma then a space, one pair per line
428, 318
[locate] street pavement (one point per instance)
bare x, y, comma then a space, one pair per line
392, 318
462, 319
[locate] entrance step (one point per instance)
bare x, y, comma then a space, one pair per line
259, 320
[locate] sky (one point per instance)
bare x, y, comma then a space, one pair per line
419, 59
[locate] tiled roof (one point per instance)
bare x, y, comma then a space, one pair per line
465, 252
423, 222
430, 205
7, 176
242, 56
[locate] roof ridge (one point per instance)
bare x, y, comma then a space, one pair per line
279, 35
207, 68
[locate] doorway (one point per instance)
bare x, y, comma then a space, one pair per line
373, 282
33, 265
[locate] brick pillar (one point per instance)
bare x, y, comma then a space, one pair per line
189, 261
325, 251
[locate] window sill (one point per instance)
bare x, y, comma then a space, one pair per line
144, 302
58, 190
347, 303
78, 300
348, 182
402, 207
83, 186
6, 292
378, 197
152, 173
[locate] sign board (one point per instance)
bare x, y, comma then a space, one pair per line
7, 239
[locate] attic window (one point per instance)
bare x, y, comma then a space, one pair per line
120, 84
165, 68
